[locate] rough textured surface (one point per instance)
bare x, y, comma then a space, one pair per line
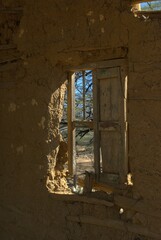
36, 45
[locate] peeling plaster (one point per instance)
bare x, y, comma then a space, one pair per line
25, 63
42, 123
21, 33
34, 102
89, 13
102, 30
92, 21
12, 107
19, 150
101, 17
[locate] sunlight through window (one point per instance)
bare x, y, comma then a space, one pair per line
150, 6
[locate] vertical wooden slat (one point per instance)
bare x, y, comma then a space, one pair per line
124, 77
123, 164
71, 128
96, 122
123, 167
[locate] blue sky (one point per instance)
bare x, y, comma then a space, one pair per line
145, 6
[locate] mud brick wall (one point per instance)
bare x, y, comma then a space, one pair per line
38, 39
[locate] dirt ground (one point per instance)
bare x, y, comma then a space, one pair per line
84, 160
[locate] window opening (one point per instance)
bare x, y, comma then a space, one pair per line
95, 111
146, 8
83, 95
78, 115
83, 122
150, 6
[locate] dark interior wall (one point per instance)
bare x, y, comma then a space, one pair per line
37, 43
144, 107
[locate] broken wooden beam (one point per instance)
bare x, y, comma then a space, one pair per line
103, 64
115, 224
105, 187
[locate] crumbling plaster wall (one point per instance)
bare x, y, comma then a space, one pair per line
48, 36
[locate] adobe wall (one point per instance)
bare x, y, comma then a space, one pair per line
37, 42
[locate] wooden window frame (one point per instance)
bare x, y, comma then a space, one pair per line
72, 123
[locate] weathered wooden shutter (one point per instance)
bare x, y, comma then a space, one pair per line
71, 127
110, 124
